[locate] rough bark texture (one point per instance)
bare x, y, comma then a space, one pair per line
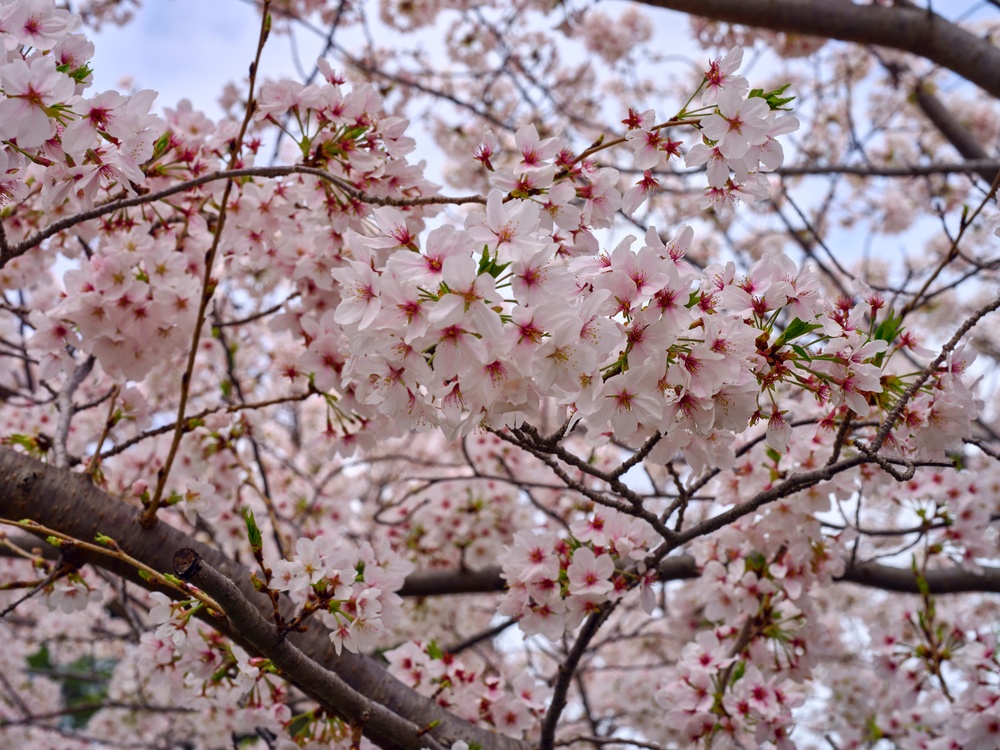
914, 30
874, 575
949, 126
321, 684
70, 504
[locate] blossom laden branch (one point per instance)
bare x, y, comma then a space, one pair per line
911, 29
32, 491
747, 386
106, 546
890, 419
97, 212
380, 724
148, 517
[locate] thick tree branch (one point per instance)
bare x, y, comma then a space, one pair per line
984, 166
915, 30
681, 567
448, 582
874, 575
956, 133
70, 504
322, 684
940, 581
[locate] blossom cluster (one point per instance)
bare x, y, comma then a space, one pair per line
83, 143
355, 585
511, 706
646, 345
553, 582
183, 662
322, 331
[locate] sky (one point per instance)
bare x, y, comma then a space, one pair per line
193, 48
190, 49
187, 49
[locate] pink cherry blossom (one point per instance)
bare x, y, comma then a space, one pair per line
32, 88
739, 124
590, 574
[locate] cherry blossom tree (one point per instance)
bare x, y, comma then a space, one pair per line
668, 421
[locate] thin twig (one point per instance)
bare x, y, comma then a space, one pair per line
66, 409
148, 517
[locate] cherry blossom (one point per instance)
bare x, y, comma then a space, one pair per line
32, 90
579, 460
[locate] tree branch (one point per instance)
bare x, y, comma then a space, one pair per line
70, 504
940, 581
321, 684
983, 166
955, 133
682, 567
139, 200
915, 30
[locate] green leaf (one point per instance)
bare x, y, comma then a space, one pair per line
922, 586
41, 659
774, 98
434, 651
35, 446
484, 261
490, 265
889, 328
739, 670
106, 541
253, 533
793, 330
77, 74
756, 562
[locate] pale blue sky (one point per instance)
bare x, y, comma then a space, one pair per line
187, 49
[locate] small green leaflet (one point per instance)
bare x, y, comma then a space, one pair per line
793, 330
774, 98
888, 330
253, 533
490, 265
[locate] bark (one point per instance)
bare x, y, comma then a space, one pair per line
954, 132
915, 30
874, 575
941, 581
321, 684
70, 504
985, 167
